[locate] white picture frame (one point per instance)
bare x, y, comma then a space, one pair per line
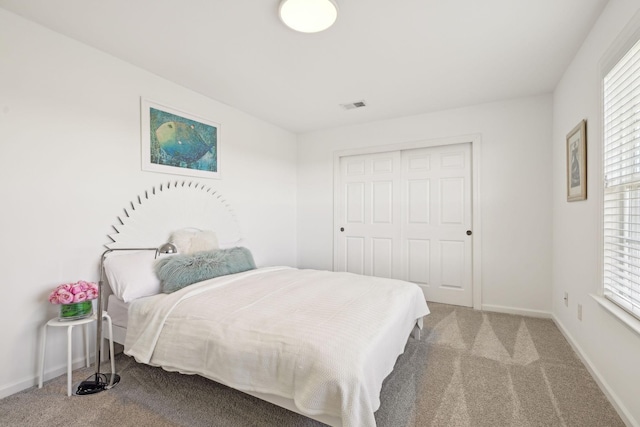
577, 163
177, 142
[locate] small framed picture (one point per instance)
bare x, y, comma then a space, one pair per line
577, 163
179, 143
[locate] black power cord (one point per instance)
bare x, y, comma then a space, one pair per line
97, 383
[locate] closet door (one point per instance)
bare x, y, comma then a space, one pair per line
407, 215
369, 215
436, 222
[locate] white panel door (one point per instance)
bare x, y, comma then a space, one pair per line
369, 217
436, 247
405, 215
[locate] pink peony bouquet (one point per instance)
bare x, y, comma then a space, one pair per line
70, 293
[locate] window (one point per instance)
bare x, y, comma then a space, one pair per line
621, 167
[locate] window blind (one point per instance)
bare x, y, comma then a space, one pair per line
621, 163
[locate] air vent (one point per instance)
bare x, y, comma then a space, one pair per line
352, 105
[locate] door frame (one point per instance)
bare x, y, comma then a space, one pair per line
476, 141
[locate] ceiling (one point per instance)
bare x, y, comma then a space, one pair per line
402, 57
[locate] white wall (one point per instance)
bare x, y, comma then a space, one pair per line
515, 177
610, 349
70, 162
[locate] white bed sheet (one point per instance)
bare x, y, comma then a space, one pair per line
325, 340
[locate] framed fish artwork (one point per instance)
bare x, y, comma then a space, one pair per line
178, 143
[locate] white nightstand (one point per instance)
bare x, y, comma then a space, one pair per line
69, 324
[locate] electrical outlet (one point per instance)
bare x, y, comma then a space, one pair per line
566, 299
579, 311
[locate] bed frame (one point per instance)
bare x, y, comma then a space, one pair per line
148, 220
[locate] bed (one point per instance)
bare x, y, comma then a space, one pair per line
316, 342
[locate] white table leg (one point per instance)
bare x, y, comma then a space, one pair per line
86, 344
69, 348
43, 343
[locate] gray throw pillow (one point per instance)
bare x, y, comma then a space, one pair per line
178, 271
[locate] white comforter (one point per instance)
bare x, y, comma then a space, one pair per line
325, 340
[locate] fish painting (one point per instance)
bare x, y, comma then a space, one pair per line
181, 141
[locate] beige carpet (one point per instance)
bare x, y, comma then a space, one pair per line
470, 369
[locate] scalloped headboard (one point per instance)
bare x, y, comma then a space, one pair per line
150, 218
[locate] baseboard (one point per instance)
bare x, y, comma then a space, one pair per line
519, 311
8, 390
627, 418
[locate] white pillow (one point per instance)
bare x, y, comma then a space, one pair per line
131, 274
189, 241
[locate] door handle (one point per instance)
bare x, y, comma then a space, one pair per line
342, 229
469, 232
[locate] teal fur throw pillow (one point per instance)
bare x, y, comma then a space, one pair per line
176, 272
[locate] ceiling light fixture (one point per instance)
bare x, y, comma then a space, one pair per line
308, 16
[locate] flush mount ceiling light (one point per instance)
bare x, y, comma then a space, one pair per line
308, 16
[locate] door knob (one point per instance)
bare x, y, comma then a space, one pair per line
469, 233
341, 228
